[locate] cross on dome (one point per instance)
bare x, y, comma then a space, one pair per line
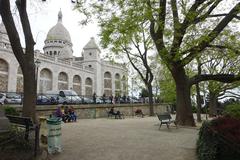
60, 16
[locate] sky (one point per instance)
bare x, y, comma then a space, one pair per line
43, 16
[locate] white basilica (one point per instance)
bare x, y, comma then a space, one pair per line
60, 70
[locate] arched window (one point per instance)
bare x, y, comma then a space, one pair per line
77, 84
62, 81
88, 87
117, 84
3, 75
107, 83
45, 80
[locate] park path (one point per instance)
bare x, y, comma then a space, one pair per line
126, 139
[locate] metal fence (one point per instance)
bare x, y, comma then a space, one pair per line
48, 99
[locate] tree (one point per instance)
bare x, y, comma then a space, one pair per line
171, 23
135, 46
218, 61
25, 57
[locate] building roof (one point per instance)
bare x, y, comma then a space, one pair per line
91, 45
59, 32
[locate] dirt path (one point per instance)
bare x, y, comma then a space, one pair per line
127, 139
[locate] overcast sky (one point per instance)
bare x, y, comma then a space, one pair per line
43, 16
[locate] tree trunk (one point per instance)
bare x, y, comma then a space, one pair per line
198, 103
150, 95
25, 57
184, 110
29, 100
212, 104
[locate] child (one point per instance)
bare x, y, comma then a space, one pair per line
73, 116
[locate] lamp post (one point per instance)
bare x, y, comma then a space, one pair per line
132, 98
37, 64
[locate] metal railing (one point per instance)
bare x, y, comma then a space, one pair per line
48, 99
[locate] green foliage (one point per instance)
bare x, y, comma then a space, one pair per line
10, 111
194, 109
206, 143
232, 110
217, 140
167, 86
144, 92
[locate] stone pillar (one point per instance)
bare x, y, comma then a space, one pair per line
83, 85
113, 84
70, 81
55, 80
38, 79
12, 78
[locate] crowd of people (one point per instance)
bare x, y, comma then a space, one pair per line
66, 113
112, 99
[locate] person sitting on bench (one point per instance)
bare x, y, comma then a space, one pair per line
139, 112
116, 114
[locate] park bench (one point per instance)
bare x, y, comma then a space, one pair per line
111, 115
27, 123
165, 118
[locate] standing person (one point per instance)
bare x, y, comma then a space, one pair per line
128, 99
117, 99
111, 99
94, 98
104, 97
124, 98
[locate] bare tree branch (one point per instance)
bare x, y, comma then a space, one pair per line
159, 34
207, 14
211, 36
225, 78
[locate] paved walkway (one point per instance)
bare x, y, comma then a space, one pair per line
127, 139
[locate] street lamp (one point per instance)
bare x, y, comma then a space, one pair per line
37, 64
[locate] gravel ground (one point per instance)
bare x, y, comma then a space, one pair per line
126, 139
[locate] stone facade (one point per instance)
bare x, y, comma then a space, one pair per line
59, 69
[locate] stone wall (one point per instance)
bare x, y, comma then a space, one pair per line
100, 111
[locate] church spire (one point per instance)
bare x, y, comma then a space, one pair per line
60, 16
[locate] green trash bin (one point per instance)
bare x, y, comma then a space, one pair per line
54, 135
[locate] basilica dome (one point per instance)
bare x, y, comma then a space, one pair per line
59, 32
58, 39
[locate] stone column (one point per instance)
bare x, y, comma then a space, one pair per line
12, 77
113, 84
55, 80
70, 81
83, 85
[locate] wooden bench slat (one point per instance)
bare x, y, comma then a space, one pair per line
20, 120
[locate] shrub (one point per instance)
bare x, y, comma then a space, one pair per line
219, 139
10, 111
194, 109
14, 140
206, 143
232, 110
